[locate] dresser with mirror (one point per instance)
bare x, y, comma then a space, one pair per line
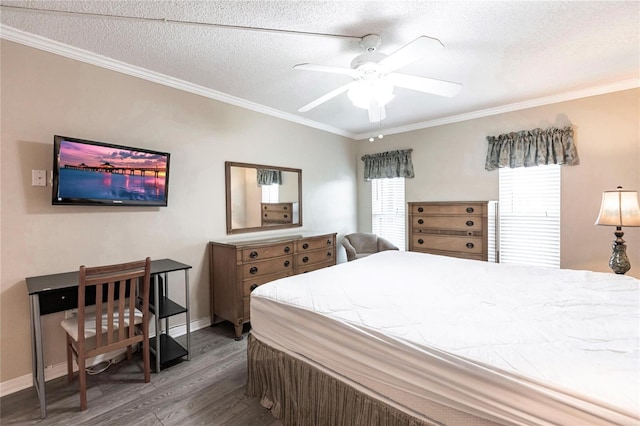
261, 198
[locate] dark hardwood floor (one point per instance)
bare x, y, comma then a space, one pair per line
207, 390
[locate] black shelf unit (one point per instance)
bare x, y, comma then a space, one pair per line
170, 350
167, 308
164, 348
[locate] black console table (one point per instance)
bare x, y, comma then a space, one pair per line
59, 292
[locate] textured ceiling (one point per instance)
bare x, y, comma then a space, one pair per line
507, 55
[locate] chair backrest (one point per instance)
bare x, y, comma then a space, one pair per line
118, 290
363, 242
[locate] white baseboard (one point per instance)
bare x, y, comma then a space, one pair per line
58, 370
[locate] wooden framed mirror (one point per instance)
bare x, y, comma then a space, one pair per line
262, 198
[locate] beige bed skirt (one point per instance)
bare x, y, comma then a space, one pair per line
299, 394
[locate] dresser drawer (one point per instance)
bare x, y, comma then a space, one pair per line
316, 256
276, 216
265, 267
457, 254
248, 284
259, 253
303, 269
277, 207
246, 289
447, 243
458, 223
308, 244
466, 209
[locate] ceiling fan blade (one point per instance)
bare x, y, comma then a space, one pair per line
322, 99
377, 112
324, 68
425, 84
410, 52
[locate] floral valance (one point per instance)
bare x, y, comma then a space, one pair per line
529, 148
269, 177
390, 164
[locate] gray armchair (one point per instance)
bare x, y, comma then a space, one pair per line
361, 244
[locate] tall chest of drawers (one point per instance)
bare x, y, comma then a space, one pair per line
457, 229
237, 268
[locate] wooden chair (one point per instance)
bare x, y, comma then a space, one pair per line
121, 294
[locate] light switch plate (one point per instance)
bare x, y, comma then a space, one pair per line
38, 178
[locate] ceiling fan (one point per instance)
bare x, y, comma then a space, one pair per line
375, 79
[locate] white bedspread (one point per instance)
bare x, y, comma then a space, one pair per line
510, 344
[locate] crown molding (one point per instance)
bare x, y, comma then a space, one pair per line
531, 103
51, 46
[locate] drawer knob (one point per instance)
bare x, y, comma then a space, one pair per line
329, 254
286, 263
253, 270
265, 215
469, 223
253, 287
305, 259
284, 208
285, 216
253, 254
420, 209
470, 210
329, 242
420, 221
305, 246
470, 245
420, 241
287, 249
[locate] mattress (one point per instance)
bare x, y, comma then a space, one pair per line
509, 344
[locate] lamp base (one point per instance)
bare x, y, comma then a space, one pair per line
619, 262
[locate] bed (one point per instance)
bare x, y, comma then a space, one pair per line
418, 339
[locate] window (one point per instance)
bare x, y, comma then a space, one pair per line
388, 210
529, 215
270, 193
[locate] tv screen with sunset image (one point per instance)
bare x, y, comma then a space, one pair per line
96, 173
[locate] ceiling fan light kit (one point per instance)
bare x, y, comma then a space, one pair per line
375, 78
362, 92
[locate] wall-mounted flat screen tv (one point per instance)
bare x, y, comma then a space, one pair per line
97, 173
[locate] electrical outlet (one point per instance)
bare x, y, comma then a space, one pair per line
38, 178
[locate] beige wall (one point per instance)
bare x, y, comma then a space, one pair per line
449, 165
44, 94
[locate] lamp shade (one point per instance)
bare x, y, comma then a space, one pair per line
362, 92
619, 208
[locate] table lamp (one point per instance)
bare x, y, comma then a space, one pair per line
619, 208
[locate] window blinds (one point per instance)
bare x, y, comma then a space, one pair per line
388, 210
529, 215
